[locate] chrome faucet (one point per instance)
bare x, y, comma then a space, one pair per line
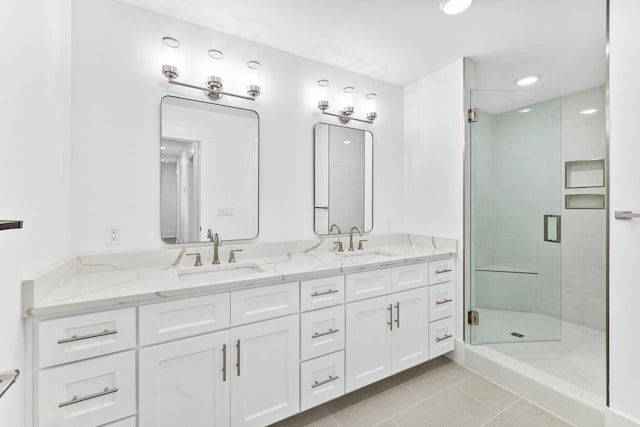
216, 243
338, 242
351, 237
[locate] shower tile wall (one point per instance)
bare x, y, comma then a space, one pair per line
584, 231
516, 186
519, 177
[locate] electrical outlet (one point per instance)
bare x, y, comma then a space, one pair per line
112, 234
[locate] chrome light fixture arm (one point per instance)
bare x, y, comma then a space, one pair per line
216, 93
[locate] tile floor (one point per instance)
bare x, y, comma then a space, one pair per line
439, 393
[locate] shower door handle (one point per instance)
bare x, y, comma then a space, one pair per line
558, 220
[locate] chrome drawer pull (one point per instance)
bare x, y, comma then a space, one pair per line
86, 337
238, 357
321, 334
77, 399
224, 362
390, 322
328, 380
446, 270
444, 301
446, 337
330, 291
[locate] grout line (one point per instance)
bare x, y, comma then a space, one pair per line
501, 412
331, 415
425, 399
479, 401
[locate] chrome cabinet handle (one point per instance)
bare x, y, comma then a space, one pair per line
76, 399
321, 334
444, 301
328, 380
86, 337
446, 337
238, 357
390, 322
626, 215
444, 270
330, 291
398, 314
224, 362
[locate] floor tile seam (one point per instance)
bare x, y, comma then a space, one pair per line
481, 402
424, 399
328, 412
501, 412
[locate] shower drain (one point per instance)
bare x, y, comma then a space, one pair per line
517, 335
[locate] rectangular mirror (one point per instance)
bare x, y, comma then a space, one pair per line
343, 178
209, 171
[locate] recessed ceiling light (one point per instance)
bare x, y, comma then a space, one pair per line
163, 148
528, 80
323, 83
453, 7
371, 95
349, 89
347, 142
215, 54
525, 110
171, 42
254, 65
589, 111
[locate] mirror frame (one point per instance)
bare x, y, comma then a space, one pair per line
207, 243
313, 206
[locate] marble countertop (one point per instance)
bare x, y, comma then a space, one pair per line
93, 281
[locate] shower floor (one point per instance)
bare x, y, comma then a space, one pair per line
579, 357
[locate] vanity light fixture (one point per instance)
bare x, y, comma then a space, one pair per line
346, 114
453, 7
213, 86
589, 111
527, 81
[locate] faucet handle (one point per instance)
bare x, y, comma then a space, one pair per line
232, 255
339, 243
360, 244
198, 259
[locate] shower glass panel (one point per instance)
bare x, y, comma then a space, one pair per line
516, 227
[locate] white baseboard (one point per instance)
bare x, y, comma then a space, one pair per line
614, 419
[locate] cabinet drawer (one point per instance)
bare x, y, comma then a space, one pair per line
409, 277
441, 333
178, 319
88, 393
88, 335
321, 293
129, 422
264, 303
368, 284
321, 332
321, 380
441, 301
442, 271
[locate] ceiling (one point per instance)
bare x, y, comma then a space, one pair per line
403, 40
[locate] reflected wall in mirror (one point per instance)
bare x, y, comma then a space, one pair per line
343, 168
209, 171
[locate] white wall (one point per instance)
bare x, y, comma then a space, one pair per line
624, 155
434, 131
116, 92
34, 177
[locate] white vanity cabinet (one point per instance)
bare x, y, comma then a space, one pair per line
386, 335
249, 357
189, 376
265, 378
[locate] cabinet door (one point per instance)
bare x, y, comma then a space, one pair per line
410, 329
368, 348
186, 380
265, 376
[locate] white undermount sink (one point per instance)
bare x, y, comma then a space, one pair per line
366, 255
216, 273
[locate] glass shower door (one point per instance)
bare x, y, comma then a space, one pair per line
516, 196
